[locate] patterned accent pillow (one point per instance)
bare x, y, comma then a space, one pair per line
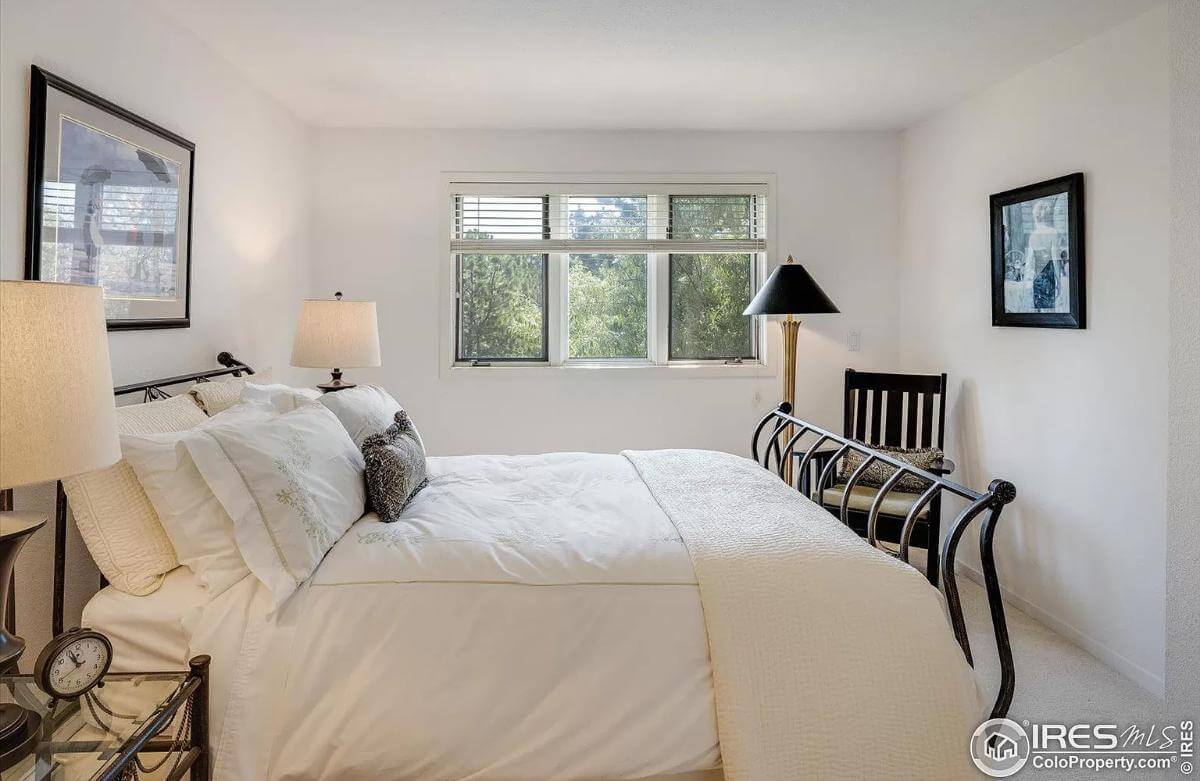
878, 472
395, 468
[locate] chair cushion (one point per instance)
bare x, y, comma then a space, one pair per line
896, 503
878, 472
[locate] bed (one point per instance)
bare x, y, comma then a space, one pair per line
589, 616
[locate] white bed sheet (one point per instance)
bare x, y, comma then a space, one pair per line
531, 617
147, 632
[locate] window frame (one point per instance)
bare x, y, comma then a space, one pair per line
556, 324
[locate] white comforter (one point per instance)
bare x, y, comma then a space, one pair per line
533, 617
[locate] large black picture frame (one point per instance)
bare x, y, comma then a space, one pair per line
1002, 256
42, 85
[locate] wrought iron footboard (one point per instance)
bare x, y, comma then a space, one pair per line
786, 434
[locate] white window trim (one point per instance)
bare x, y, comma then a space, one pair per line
453, 182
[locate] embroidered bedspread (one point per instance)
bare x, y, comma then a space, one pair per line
830, 659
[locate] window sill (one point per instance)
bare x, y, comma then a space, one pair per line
678, 371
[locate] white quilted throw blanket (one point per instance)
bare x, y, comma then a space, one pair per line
830, 659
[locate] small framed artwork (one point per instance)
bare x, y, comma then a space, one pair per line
109, 204
1038, 267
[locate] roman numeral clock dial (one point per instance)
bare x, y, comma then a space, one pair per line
72, 663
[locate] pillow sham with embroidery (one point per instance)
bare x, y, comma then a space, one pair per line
395, 463
293, 485
878, 472
364, 410
199, 528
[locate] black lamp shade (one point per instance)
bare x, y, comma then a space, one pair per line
790, 290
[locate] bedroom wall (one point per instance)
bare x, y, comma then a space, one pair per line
1183, 552
377, 225
1076, 419
249, 233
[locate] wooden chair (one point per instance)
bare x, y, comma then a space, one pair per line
895, 410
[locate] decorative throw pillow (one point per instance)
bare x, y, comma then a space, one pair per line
112, 512
395, 463
364, 410
215, 396
200, 530
293, 485
878, 472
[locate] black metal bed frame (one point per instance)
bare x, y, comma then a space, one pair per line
151, 390
992, 501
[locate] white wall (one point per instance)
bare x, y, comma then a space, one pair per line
377, 223
1183, 569
250, 243
1076, 419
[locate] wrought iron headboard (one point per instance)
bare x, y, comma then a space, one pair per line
151, 390
992, 501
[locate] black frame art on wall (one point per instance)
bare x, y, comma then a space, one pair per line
109, 203
1038, 260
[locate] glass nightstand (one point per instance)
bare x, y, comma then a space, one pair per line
137, 725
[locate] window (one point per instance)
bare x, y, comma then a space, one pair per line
613, 273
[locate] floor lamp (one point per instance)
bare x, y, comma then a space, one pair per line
790, 291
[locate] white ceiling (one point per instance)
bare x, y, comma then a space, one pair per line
699, 64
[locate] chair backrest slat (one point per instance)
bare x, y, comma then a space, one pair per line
910, 434
894, 422
860, 425
876, 414
891, 432
926, 420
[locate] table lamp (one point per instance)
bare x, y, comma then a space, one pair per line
790, 290
57, 419
337, 333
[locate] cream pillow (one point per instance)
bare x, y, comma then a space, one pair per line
115, 517
216, 396
199, 528
293, 485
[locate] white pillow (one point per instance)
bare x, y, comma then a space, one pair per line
293, 485
363, 410
199, 528
216, 396
112, 512
284, 398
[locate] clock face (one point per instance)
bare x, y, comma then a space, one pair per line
77, 666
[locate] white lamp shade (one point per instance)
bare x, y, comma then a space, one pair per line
336, 335
57, 412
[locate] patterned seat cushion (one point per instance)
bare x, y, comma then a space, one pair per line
395, 468
878, 472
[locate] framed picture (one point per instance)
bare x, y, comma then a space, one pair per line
109, 204
1038, 267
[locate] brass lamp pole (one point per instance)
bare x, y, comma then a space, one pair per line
789, 291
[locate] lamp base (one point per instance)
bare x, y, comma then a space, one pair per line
18, 731
335, 383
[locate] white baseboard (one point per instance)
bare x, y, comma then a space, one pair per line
1135, 672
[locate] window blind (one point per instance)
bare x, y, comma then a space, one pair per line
625, 218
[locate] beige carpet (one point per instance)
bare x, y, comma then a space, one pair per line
1057, 681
